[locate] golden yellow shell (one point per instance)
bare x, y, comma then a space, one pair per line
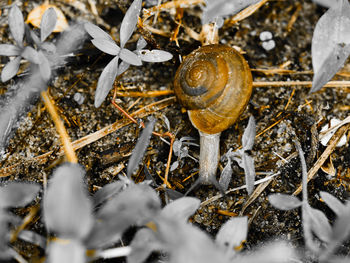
214, 83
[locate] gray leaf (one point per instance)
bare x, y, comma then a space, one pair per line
16, 194
67, 208
129, 22
105, 81
319, 224
130, 57
107, 46
96, 32
48, 23
249, 135
141, 43
330, 44
9, 50
249, 172
10, 69
182, 208
31, 55
232, 233
44, 67
284, 201
333, 203
220, 8
107, 191
123, 66
155, 55
140, 148
226, 176
16, 24
69, 251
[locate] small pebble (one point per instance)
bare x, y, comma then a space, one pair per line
265, 35
79, 98
267, 42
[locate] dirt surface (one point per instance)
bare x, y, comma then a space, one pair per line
281, 106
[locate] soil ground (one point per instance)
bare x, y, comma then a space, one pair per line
281, 106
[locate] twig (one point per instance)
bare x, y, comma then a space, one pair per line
331, 145
217, 197
67, 145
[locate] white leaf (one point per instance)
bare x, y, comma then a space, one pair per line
219, 8
105, 81
123, 66
333, 203
10, 69
130, 57
106, 45
226, 176
249, 171
44, 67
67, 208
96, 32
284, 201
129, 22
140, 147
155, 55
249, 134
66, 251
9, 50
232, 234
17, 194
330, 44
16, 24
48, 23
141, 43
31, 55
182, 208
319, 224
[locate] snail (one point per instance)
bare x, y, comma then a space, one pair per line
214, 84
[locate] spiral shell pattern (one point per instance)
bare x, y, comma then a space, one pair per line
214, 83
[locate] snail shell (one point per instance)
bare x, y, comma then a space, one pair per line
214, 84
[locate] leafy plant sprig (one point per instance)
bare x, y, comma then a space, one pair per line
105, 43
242, 157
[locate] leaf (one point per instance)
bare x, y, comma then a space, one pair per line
220, 8
31, 55
155, 55
249, 171
67, 208
330, 44
143, 243
130, 57
226, 176
48, 23
44, 67
9, 50
123, 66
141, 43
107, 46
105, 81
35, 17
17, 194
319, 224
232, 234
96, 32
16, 24
10, 69
66, 251
140, 147
129, 22
341, 227
284, 201
33, 238
182, 208
249, 135
136, 205
107, 192
333, 203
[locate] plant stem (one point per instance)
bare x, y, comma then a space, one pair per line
209, 157
67, 145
